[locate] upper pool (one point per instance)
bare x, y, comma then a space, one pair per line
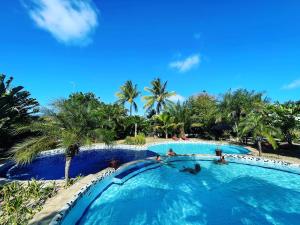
196, 148
87, 162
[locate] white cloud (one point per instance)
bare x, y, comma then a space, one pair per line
186, 64
176, 98
69, 21
293, 85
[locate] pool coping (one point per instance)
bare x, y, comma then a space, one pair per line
242, 159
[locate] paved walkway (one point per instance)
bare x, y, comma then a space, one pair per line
54, 204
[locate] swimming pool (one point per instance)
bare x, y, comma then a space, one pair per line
220, 194
87, 162
196, 148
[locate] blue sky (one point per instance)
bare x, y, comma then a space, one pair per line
54, 47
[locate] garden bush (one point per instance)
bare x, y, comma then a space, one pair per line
138, 140
20, 201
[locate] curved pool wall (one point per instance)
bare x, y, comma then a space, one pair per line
190, 147
75, 209
51, 166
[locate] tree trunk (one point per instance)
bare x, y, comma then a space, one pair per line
67, 169
166, 134
289, 139
182, 132
259, 147
135, 129
157, 109
130, 109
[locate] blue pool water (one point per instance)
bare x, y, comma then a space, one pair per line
219, 194
87, 162
197, 148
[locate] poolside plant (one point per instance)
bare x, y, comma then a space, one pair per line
182, 116
260, 129
108, 137
165, 122
73, 122
20, 201
137, 140
16, 107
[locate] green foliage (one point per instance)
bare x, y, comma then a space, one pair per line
158, 95
108, 137
182, 116
73, 180
138, 140
143, 125
237, 104
16, 107
204, 113
20, 201
286, 118
257, 124
165, 123
128, 93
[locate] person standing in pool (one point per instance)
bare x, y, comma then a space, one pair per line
193, 171
171, 153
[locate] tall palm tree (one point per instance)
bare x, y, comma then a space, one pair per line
71, 124
128, 93
165, 122
159, 95
256, 124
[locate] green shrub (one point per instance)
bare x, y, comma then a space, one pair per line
20, 201
138, 140
108, 137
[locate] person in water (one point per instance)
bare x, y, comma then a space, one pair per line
171, 153
194, 170
114, 164
222, 160
158, 158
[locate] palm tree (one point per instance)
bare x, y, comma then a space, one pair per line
128, 93
256, 124
182, 116
159, 96
72, 123
235, 105
16, 107
165, 122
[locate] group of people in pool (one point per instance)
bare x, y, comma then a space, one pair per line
197, 166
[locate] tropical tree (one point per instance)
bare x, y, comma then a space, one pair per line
204, 112
16, 107
236, 105
286, 118
182, 116
257, 125
128, 93
164, 122
159, 96
73, 122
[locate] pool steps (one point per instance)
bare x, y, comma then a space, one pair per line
127, 174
